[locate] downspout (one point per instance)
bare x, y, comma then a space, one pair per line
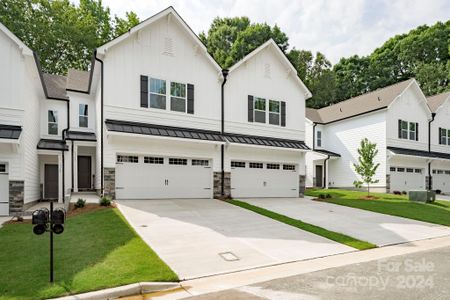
72, 167
222, 131
325, 171
430, 179
101, 122
314, 136
62, 151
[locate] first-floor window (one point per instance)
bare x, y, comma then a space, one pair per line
178, 96
83, 115
260, 110
157, 93
2, 168
53, 122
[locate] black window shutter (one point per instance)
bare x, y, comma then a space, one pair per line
440, 136
417, 131
144, 91
250, 108
190, 98
283, 114
399, 129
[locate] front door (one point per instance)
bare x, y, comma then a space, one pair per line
51, 182
319, 176
84, 172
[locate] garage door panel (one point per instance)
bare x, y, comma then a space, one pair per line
256, 182
159, 181
441, 182
406, 181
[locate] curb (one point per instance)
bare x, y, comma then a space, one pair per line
123, 291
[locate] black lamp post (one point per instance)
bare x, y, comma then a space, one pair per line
52, 221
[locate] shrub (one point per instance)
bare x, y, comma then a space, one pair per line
397, 193
105, 201
324, 196
80, 203
438, 192
404, 192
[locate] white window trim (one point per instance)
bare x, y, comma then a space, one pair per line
150, 92
271, 112
167, 95
408, 131
255, 110
185, 96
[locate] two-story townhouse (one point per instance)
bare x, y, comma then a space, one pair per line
396, 118
173, 124
264, 126
20, 93
439, 136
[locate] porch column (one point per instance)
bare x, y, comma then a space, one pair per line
60, 179
75, 167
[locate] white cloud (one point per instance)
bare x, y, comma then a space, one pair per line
336, 28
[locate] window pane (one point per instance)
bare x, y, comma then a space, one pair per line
260, 103
412, 126
178, 104
274, 118
274, 106
52, 116
53, 128
319, 134
178, 89
83, 121
260, 116
157, 86
412, 135
83, 110
404, 134
404, 125
157, 101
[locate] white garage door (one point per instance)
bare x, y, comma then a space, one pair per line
406, 179
258, 179
441, 180
4, 191
151, 177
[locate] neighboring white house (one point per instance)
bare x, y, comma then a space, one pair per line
396, 118
440, 141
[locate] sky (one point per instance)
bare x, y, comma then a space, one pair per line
337, 28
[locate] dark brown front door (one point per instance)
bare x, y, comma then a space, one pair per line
51, 182
319, 176
84, 172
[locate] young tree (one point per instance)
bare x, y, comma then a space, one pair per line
366, 167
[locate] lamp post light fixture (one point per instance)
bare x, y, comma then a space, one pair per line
51, 221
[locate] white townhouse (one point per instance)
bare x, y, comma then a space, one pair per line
397, 118
155, 117
173, 124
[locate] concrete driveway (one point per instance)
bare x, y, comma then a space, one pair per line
379, 229
201, 237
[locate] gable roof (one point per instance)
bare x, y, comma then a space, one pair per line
55, 86
436, 101
272, 44
365, 103
24, 48
78, 80
170, 11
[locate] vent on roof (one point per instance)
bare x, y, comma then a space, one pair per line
379, 99
267, 71
340, 109
168, 46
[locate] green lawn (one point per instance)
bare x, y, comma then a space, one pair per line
335, 236
395, 205
97, 250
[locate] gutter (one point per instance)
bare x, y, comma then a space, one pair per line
222, 131
101, 122
62, 151
430, 178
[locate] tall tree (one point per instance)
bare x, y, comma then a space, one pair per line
62, 33
230, 39
366, 166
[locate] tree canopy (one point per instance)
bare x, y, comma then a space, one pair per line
62, 33
65, 35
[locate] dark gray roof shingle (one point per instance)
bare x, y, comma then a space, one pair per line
46, 144
55, 86
10, 132
78, 80
326, 152
422, 153
434, 102
265, 141
80, 136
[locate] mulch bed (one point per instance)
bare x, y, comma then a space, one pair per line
369, 198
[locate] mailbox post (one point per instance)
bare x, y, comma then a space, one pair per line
52, 221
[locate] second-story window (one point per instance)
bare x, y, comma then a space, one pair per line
53, 122
319, 138
157, 93
408, 130
260, 110
444, 136
83, 115
178, 96
274, 112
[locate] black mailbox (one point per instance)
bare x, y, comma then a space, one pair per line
40, 219
58, 218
